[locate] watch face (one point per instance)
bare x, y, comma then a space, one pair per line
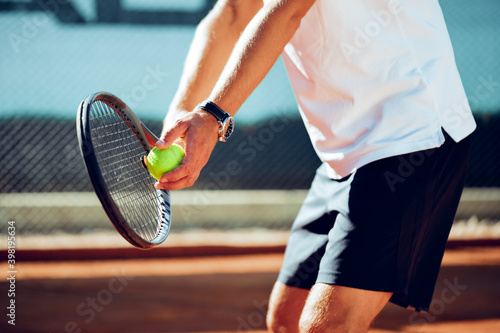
227, 129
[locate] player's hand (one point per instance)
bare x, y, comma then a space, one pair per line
196, 132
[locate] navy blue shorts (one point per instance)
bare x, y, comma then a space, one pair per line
382, 228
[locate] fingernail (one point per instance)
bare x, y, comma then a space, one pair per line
160, 142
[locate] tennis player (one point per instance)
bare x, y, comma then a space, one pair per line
381, 98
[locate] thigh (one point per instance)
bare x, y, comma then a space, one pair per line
337, 308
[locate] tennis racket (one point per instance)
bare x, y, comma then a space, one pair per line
113, 143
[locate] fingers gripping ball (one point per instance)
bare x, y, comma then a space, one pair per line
161, 161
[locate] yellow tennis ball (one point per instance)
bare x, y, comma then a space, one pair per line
161, 161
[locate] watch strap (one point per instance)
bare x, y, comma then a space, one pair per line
226, 122
214, 110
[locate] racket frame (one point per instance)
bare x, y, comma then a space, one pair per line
147, 140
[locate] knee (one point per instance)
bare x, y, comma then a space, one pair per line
283, 317
309, 324
278, 321
318, 317
285, 305
330, 322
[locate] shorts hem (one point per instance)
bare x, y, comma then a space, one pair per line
338, 280
293, 281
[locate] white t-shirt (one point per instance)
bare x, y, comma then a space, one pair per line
375, 79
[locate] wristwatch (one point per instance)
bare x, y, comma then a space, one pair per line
226, 122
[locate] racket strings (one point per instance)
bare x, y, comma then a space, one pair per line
128, 191
130, 185
125, 190
109, 153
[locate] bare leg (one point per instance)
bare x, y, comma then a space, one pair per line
285, 306
341, 309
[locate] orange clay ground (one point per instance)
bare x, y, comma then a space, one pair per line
225, 293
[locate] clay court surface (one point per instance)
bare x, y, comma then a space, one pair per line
222, 292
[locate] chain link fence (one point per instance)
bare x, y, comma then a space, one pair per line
53, 56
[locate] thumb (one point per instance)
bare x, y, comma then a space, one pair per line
172, 134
